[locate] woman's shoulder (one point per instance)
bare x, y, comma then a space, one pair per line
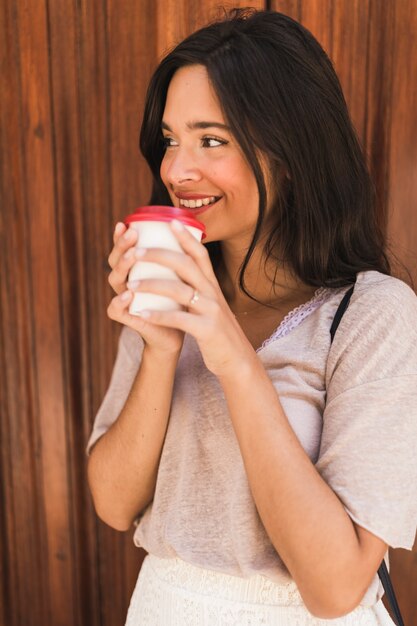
377, 336
378, 298
374, 284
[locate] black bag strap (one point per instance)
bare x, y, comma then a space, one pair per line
383, 570
339, 313
389, 590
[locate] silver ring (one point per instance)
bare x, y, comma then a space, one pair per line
195, 297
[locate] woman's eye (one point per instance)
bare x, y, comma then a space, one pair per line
207, 142
212, 142
168, 142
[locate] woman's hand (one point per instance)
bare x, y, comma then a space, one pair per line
121, 260
208, 319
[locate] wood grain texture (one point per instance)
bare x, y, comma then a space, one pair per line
69, 164
402, 216
17, 480
402, 155
289, 7
376, 136
73, 79
36, 425
176, 20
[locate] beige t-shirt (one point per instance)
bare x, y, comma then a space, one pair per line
353, 406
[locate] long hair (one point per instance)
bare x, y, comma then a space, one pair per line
281, 97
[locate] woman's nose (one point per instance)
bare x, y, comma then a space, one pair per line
181, 167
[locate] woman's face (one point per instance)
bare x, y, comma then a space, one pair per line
203, 167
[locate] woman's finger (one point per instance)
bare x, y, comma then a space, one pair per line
180, 320
119, 274
194, 248
119, 229
184, 266
123, 242
183, 294
118, 310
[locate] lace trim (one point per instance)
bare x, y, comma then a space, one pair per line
258, 589
297, 315
170, 592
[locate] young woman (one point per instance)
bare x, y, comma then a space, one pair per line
267, 469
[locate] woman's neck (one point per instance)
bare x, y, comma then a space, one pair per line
270, 284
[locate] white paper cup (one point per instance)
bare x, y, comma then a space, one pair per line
152, 223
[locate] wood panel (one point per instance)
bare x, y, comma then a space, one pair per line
378, 98
36, 457
402, 223
176, 20
402, 217
70, 178
73, 78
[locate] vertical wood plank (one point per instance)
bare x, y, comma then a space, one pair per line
18, 483
38, 497
131, 57
402, 222
288, 7
176, 19
70, 157
378, 99
96, 192
402, 219
350, 55
317, 16
49, 403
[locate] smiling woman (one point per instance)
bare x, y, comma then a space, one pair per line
242, 441
203, 161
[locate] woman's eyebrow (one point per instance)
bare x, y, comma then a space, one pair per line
199, 125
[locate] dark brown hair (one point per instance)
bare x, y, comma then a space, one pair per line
281, 96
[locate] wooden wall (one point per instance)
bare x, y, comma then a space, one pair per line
73, 77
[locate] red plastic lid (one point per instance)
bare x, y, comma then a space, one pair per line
164, 214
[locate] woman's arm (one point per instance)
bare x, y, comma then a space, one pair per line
331, 559
123, 464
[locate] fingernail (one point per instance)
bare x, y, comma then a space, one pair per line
144, 314
126, 295
133, 284
118, 228
177, 225
140, 252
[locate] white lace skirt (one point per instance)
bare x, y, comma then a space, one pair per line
170, 592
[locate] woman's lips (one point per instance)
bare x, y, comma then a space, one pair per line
189, 197
202, 209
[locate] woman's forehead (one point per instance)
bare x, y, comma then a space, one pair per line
192, 99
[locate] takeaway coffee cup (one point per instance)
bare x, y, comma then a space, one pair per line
152, 223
